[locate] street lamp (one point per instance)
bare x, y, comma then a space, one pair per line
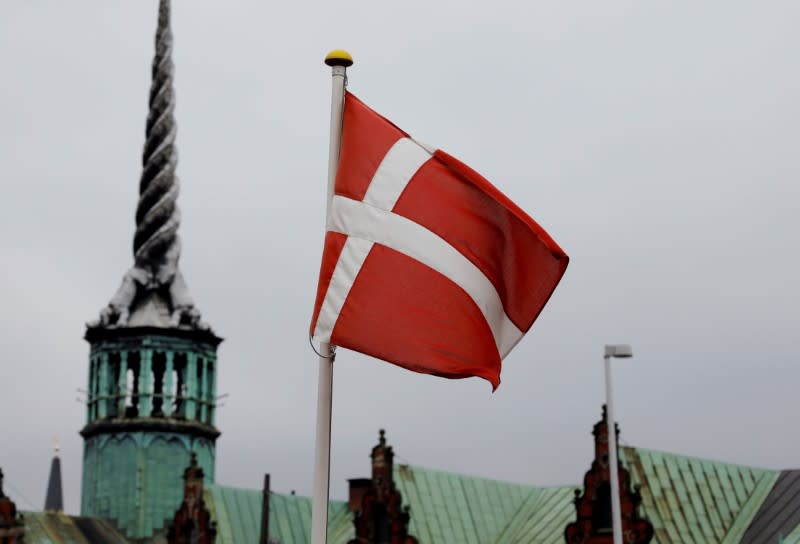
619, 351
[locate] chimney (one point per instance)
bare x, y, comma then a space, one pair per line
358, 486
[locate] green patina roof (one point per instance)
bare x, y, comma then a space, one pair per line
542, 518
451, 508
48, 528
238, 516
692, 500
445, 508
687, 500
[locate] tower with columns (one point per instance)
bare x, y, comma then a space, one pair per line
151, 395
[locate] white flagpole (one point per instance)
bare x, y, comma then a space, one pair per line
338, 60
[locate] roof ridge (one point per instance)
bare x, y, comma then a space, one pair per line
484, 478
699, 458
751, 508
275, 493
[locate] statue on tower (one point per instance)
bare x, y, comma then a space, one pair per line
155, 276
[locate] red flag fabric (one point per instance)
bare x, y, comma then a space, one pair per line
426, 264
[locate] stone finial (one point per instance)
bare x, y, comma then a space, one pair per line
193, 471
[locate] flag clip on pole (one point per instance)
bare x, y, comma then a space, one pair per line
338, 60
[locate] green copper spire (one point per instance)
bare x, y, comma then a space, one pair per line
152, 365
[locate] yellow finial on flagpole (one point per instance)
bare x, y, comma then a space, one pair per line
339, 57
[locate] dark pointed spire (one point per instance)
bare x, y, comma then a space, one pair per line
54, 501
153, 291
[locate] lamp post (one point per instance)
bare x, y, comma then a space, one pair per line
620, 351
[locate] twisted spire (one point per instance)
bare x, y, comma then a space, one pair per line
157, 214
153, 291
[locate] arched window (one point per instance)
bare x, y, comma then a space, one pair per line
115, 392
179, 385
132, 386
159, 365
210, 392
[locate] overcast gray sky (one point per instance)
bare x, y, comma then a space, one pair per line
656, 141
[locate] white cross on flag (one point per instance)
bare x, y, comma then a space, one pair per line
426, 264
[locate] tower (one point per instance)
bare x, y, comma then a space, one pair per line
152, 363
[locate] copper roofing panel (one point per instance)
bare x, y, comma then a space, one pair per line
458, 509
687, 500
696, 501
50, 528
542, 518
238, 516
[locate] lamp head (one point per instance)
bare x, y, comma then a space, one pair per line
619, 351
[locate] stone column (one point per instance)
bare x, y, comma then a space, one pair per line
204, 391
90, 394
166, 407
212, 390
191, 386
122, 384
103, 390
146, 383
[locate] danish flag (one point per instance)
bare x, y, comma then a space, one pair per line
426, 264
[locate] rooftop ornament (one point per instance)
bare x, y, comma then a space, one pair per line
153, 291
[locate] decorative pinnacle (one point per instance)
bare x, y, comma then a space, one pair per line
382, 437
194, 470
157, 215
